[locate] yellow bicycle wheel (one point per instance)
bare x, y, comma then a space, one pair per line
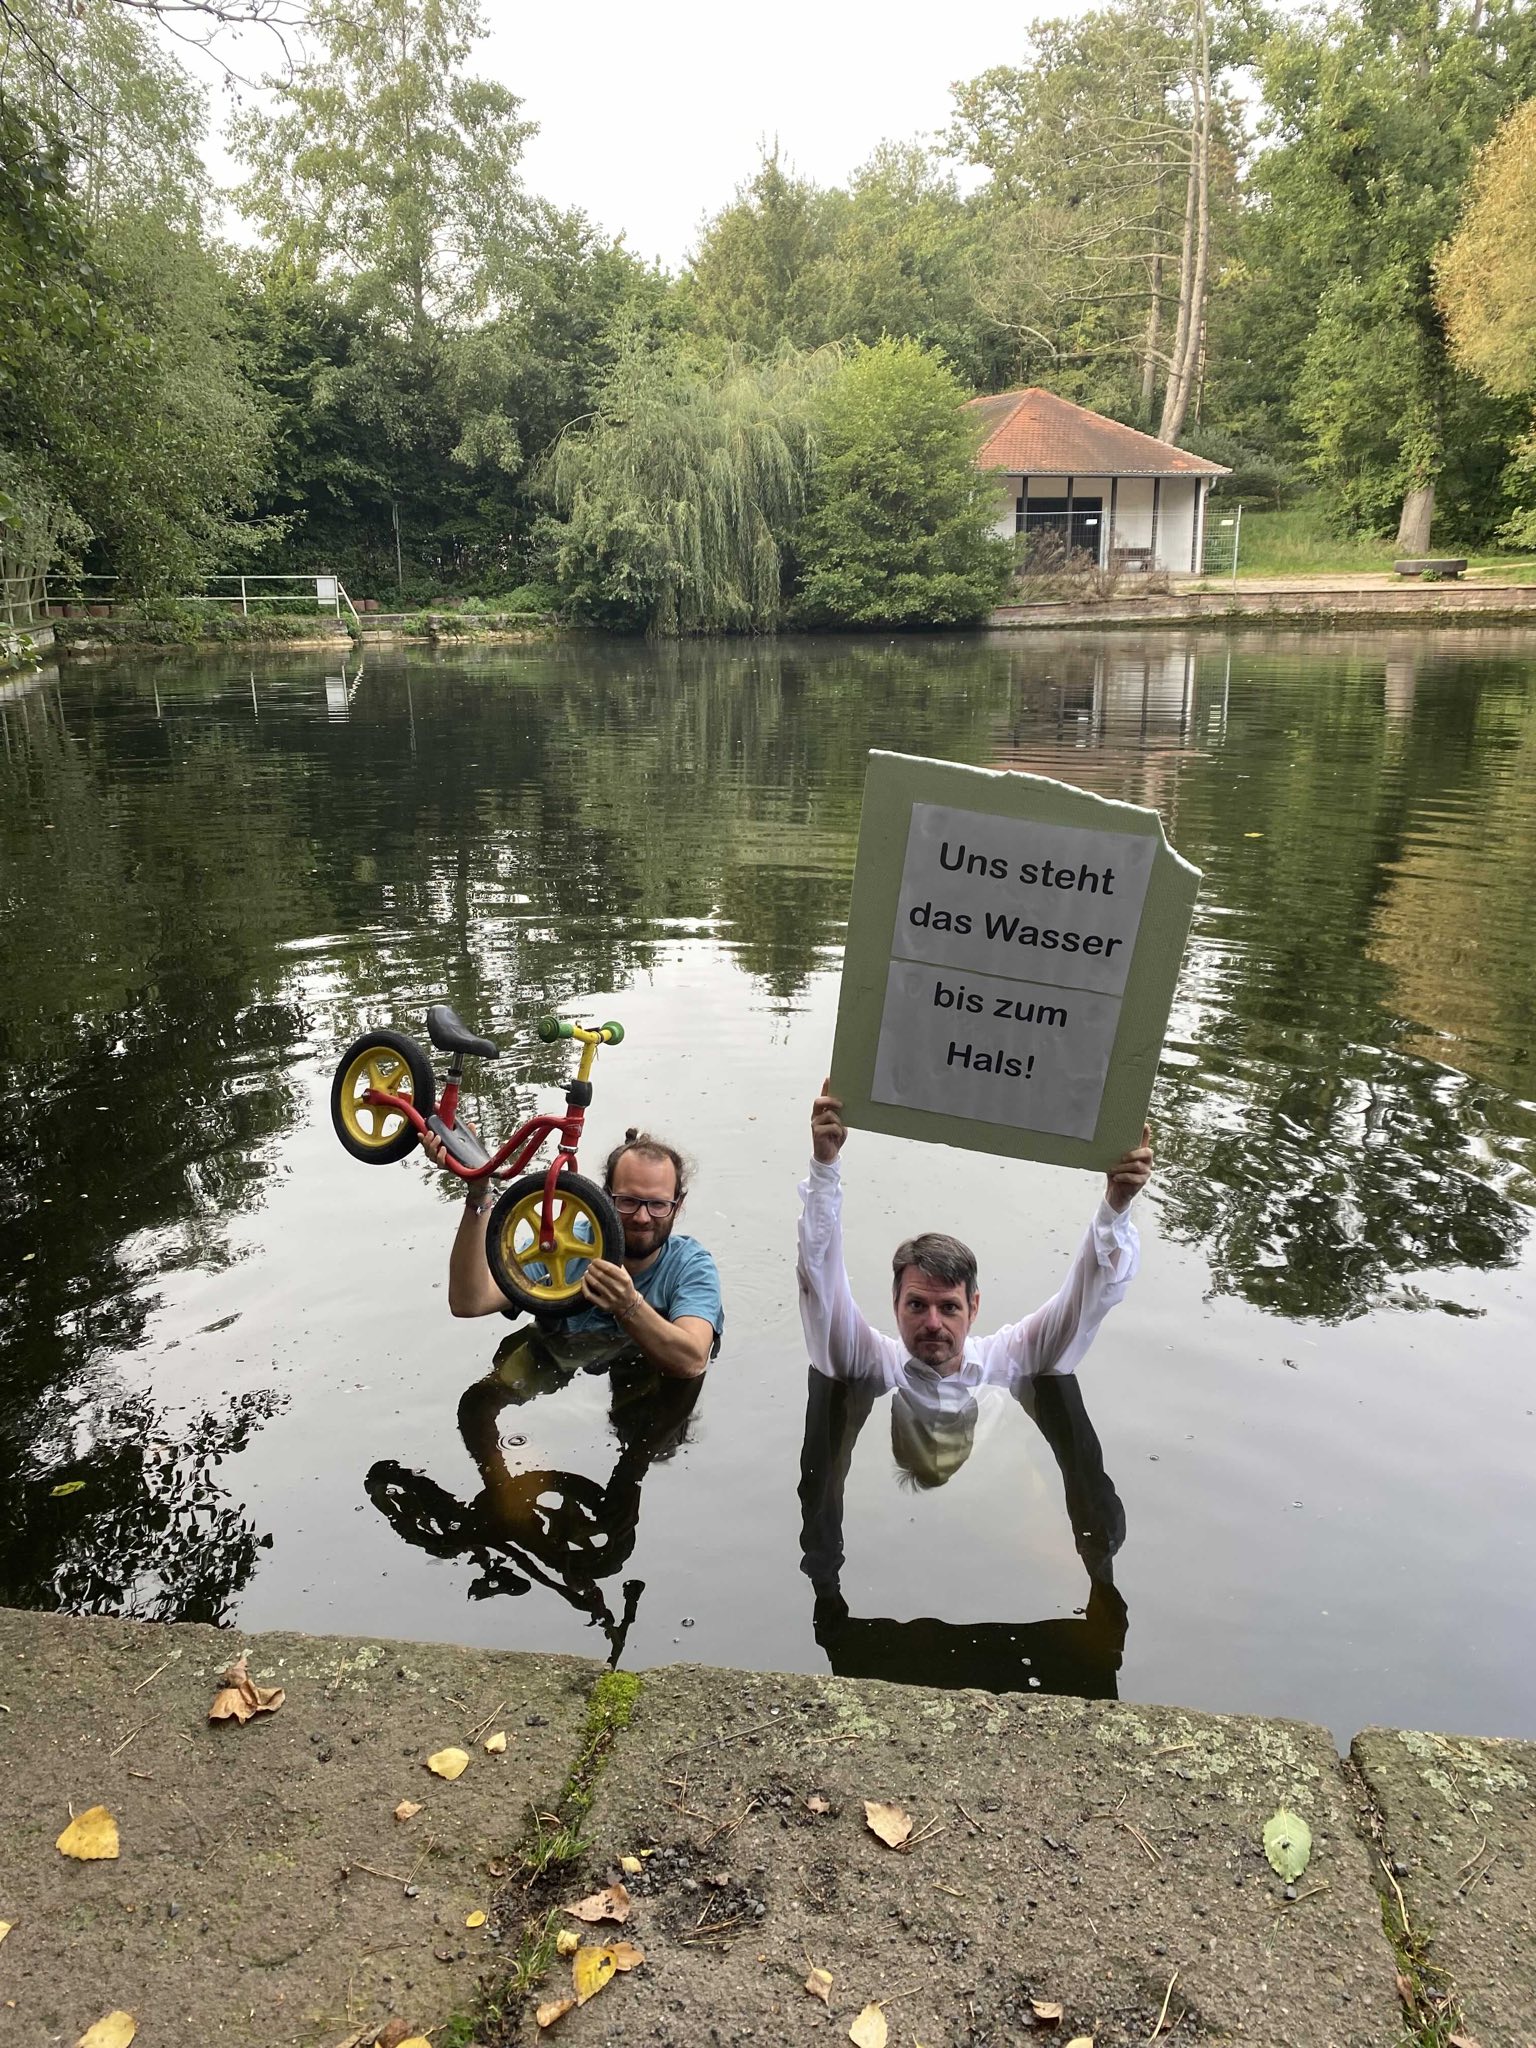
586, 1226
396, 1065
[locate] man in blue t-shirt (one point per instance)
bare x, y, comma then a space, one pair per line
665, 1297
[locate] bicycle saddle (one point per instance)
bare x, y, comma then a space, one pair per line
449, 1035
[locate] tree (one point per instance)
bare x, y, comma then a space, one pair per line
1376, 112
1112, 154
387, 166
672, 505
757, 278
899, 530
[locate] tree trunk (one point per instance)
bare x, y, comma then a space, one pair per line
1195, 262
1149, 343
1418, 517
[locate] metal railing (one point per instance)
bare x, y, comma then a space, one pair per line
29, 600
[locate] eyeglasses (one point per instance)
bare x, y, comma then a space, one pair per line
653, 1205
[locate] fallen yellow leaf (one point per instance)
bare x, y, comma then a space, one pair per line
567, 1941
475, 1919
5, 1928
554, 2009
1081, 2041
819, 1985
116, 2030
408, 1809
891, 1823
869, 2029
416, 2041
631, 1865
69, 1485
240, 1698
591, 1969
1046, 2010
625, 1955
448, 1763
495, 1744
611, 1903
91, 1837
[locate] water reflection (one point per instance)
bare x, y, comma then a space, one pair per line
1079, 1656
561, 1530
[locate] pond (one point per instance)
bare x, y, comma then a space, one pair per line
230, 1389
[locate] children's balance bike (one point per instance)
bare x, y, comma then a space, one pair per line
546, 1226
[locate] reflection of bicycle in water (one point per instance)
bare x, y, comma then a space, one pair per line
560, 1530
1079, 1656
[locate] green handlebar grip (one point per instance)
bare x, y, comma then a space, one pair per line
551, 1028
613, 1033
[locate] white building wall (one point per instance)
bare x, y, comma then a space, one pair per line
1133, 513
1176, 523
1009, 491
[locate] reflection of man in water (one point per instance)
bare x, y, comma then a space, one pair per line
557, 1529
940, 1378
664, 1298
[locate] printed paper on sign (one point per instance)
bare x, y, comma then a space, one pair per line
1013, 945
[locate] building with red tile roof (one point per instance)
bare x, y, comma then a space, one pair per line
1108, 490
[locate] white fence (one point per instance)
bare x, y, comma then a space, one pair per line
30, 600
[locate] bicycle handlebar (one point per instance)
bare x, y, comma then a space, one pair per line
552, 1028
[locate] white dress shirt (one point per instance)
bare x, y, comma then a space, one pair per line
1052, 1340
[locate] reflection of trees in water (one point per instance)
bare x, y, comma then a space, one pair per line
117, 1510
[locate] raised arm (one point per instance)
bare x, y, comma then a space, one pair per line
841, 1343
1056, 1336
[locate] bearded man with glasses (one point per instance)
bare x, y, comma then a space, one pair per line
665, 1297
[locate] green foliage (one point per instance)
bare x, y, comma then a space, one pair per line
673, 504
899, 527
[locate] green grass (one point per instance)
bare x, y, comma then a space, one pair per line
1296, 542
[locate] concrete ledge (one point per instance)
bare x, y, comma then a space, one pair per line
1308, 607
1460, 1824
239, 1909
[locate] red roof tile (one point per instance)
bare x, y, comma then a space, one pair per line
1035, 433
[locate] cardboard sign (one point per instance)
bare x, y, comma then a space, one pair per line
1013, 945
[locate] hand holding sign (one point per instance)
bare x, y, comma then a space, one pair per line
1013, 945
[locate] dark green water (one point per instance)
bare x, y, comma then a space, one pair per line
229, 1386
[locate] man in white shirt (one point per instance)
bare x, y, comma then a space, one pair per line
936, 1359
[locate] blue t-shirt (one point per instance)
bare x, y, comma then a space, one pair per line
682, 1281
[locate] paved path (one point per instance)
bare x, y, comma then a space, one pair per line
1105, 1859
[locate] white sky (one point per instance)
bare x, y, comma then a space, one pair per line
650, 116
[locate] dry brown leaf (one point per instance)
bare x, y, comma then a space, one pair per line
631, 1865
408, 1809
91, 1837
869, 2029
890, 1823
493, 1745
475, 1919
393, 2034
591, 1969
1046, 2010
567, 1941
816, 1804
448, 1763
625, 1955
115, 2030
819, 1985
240, 1698
554, 2009
1457, 2041
611, 1903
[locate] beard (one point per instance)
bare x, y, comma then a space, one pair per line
643, 1235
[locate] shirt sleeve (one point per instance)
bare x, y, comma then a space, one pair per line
696, 1291
840, 1342
1056, 1336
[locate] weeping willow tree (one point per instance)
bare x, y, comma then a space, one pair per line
672, 502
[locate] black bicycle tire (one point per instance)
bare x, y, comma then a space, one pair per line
610, 1245
423, 1095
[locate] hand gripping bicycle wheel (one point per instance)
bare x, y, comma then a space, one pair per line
395, 1064
586, 1227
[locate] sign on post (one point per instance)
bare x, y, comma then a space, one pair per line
1013, 945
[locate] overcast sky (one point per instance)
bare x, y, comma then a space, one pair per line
651, 115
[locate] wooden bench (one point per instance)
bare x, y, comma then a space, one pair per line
1434, 569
